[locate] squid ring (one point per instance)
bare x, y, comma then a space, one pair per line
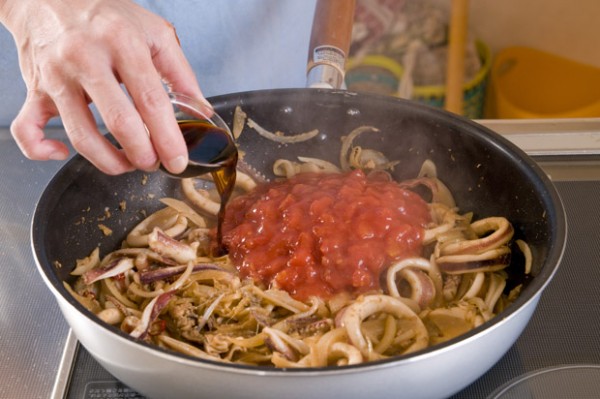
366, 306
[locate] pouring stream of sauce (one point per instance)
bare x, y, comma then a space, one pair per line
211, 150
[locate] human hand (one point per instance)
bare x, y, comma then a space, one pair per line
74, 52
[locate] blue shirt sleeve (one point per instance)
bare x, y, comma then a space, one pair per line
232, 45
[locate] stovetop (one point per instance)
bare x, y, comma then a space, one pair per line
40, 359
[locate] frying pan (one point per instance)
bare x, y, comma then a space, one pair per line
487, 174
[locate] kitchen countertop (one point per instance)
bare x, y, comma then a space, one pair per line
33, 332
32, 329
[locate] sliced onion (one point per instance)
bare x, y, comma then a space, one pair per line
286, 168
476, 285
186, 348
185, 210
524, 247
88, 263
239, 120
325, 166
89, 303
347, 144
347, 352
279, 137
428, 169
289, 347
368, 159
497, 284
209, 311
439, 191
150, 276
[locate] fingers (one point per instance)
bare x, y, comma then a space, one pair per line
28, 130
83, 133
154, 106
121, 119
141, 73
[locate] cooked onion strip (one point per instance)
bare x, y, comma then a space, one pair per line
185, 210
524, 247
441, 193
281, 298
476, 286
136, 290
185, 348
494, 292
88, 263
344, 354
117, 295
285, 168
87, 302
279, 137
368, 160
151, 276
347, 144
239, 120
324, 166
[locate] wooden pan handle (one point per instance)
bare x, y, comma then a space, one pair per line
330, 42
455, 75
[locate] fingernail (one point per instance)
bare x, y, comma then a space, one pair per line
57, 156
177, 164
207, 104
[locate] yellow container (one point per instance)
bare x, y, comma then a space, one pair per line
474, 90
528, 83
382, 75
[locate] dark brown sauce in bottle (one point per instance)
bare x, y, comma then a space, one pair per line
212, 150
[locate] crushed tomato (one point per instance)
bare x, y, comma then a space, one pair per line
318, 235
